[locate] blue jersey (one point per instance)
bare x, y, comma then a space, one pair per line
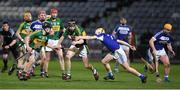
36, 25
161, 38
109, 41
122, 32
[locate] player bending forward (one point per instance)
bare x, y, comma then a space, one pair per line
116, 53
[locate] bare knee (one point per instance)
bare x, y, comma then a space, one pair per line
104, 62
68, 57
167, 65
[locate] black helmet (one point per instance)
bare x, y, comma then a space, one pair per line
46, 25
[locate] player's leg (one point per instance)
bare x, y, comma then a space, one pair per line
134, 72
61, 60
122, 59
46, 60
43, 59
165, 60
105, 62
25, 73
16, 55
70, 53
126, 50
127, 54
116, 67
21, 60
147, 59
90, 67
5, 60
46, 63
87, 65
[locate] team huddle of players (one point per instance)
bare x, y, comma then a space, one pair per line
33, 43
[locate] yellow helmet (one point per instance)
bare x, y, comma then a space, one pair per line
99, 31
168, 26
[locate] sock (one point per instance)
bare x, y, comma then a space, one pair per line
5, 61
116, 66
141, 76
166, 76
68, 72
42, 71
33, 66
109, 74
14, 66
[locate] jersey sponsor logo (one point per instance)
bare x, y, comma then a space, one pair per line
56, 28
164, 38
39, 42
123, 30
38, 26
25, 31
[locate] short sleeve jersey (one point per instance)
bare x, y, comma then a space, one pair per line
109, 41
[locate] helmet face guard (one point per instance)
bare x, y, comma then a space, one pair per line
47, 27
71, 26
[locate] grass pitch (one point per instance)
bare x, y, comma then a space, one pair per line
83, 79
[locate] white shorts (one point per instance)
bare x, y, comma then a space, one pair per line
125, 48
159, 53
83, 51
120, 56
52, 43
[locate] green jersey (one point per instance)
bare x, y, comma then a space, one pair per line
38, 39
57, 26
24, 29
79, 31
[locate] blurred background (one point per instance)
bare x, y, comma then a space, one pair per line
142, 15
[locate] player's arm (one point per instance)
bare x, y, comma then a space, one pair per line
169, 47
151, 44
86, 37
80, 41
27, 40
115, 31
11, 44
18, 33
130, 38
60, 40
30, 37
125, 43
